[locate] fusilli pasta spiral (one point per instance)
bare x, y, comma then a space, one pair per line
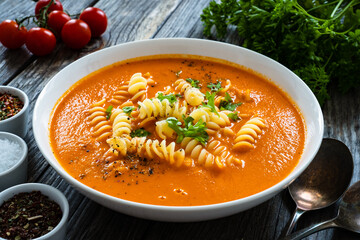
121, 123
151, 149
197, 152
193, 96
156, 108
101, 126
137, 86
248, 133
221, 151
163, 130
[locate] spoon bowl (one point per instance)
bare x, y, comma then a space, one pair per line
348, 215
324, 181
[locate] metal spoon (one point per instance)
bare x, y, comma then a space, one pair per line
324, 181
348, 215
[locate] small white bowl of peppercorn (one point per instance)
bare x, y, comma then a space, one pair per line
33, 211
14, 111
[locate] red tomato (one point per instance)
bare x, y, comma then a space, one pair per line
40, 41
96, 19
56, 21
10, 35
75, 34
42, 3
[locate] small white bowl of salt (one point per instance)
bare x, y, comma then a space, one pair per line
13, 160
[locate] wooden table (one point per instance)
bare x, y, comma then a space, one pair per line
131, 20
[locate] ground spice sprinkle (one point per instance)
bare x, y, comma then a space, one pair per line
9, 106
28, 215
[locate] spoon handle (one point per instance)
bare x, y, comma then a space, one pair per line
295, 217
310, 230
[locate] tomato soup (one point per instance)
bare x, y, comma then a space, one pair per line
177, 130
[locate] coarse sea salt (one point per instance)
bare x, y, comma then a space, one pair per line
10, 153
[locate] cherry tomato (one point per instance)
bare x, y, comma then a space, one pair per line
76, 33
42, 3
40, 41
10, 35
56, 21
96, 19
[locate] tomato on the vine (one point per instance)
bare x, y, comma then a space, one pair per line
56, 21
96, 19
75, 34
43, 3
40, 41
11, 36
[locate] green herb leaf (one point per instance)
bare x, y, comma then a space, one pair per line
178, 73
210, 102
141, 132
171, 97
227, 104
215, 87
318, 40
128, 110
108, 112
196, 131
194, 83
234, 116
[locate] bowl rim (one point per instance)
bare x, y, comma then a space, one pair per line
56, 195
84, 188
19, 93
10, 136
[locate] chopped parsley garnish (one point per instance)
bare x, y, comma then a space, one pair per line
196, 131
227, 104
171, 97
178, 73
108, 111
234, 116
194, 83
210, 102
215, 87
179, 95
141, 132
128, 110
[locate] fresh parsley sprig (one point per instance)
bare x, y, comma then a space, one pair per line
318, 40
108, 111
194, 83
227, 103
234, 116
215, 87
171, 97
196, 131
210, 102
141, 132
128, 110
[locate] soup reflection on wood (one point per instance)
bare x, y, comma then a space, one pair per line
177, 130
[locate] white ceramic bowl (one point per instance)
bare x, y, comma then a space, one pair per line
59, 232
18, 173
17, 124
280, 75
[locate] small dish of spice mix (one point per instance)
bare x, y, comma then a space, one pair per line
33, 211
14, 111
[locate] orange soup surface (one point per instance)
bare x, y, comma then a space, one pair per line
86, 143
